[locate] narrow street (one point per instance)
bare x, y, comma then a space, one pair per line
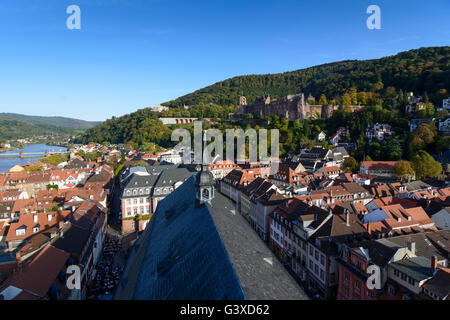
114, 255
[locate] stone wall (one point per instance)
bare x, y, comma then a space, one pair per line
290, 107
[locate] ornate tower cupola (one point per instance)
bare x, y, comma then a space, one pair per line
204, 183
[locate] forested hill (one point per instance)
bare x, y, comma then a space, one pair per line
421, 70
51, 121
383, 82
11, 129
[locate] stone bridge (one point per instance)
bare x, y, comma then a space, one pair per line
167, 121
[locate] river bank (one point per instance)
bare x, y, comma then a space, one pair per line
7, 163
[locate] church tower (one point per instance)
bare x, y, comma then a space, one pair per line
204, 186
204, 182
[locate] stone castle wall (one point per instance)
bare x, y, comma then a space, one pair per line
291, 108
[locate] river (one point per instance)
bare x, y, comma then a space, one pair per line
6, 164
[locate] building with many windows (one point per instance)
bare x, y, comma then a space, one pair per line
142, 190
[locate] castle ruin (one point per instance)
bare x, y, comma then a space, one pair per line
291, 107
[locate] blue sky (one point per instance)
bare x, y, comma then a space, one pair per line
131, 54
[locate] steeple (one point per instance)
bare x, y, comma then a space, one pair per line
204, 182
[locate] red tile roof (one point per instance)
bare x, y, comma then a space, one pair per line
39, 275
379, 165
26, 222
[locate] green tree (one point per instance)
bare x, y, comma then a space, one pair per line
142, 163
404, 170
82, 154
351, 165
425, 166
34, 169
133, 145
346, 100
424, 135
54, 159
323, 99
353, 96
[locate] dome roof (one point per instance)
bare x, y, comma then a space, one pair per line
204, 177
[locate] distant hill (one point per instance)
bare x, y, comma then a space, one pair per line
15, 129
52, 121
421, 70
19, 126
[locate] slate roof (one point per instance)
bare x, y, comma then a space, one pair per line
74, 239
180, 256
171, 176
76, 164
440, 283
417, 268
379, 253
138, 181
205, 253
426, 243
416, 186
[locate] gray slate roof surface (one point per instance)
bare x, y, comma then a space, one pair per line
207, 252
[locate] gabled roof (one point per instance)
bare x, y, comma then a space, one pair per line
378, 253
379, 165
426, 243
337, 227
417, 268
36, 278
26, 221
439, 283
417, 185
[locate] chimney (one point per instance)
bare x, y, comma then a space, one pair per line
347, 218
412, 247
434, 264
